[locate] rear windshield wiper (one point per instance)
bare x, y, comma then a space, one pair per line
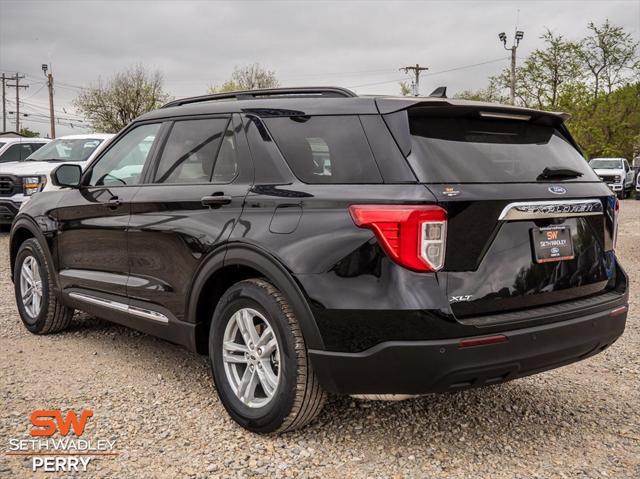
558, 172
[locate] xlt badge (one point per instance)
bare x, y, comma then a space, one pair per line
459, 299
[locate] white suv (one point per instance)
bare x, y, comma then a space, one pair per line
21, 179
616, 173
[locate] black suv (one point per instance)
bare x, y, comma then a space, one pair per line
310, 240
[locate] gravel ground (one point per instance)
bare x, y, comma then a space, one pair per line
158, 402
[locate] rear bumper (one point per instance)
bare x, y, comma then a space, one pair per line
418, 367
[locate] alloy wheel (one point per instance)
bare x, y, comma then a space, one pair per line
251, 357
31, 286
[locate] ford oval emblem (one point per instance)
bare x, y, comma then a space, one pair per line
557, 190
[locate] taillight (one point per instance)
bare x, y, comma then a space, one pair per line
616, 211
414, 236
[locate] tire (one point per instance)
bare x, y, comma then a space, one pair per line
620, 195
51, 316
297, 397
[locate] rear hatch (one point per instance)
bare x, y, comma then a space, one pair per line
529, 222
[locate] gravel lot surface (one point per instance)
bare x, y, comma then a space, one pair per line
158, 402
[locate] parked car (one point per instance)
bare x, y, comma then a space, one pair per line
18, 149
638, 187
21, 179
310, 240
616, 173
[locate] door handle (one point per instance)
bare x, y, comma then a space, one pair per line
216, 200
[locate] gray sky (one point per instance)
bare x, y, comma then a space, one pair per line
196, 44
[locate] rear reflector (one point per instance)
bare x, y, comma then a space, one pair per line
414, 236
618, 311
482, 341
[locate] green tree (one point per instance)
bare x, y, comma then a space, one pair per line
111, 106
610, 56
545, 73
248, 77
493, 93
405, 89
29, 133
608, 126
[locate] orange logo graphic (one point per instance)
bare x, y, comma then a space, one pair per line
552, 235
48, 421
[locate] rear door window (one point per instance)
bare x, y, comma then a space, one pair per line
191, 149
469, 150
325, 149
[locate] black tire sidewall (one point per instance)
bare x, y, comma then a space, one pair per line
31, 248
268, 418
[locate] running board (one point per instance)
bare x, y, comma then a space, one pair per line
122, 307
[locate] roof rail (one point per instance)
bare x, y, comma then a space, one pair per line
326, 92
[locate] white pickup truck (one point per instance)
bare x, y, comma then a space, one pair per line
21, 179
616, 173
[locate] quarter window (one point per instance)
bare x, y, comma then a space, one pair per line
191, 149
122, 164
325, 149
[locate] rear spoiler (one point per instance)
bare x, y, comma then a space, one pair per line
450, 106
396, 112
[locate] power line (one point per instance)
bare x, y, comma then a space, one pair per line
465, 67
430, 74
380, 82
36, 92
42, 107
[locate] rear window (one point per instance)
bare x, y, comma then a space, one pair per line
468, 150
325, 149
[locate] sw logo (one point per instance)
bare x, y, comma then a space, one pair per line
552, 235
48, 421
459, 299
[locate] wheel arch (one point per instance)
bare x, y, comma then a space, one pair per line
235, 263
23, 229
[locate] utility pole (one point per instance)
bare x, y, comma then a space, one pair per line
52, 119
4, 106
416, 72
503, 38
17, 86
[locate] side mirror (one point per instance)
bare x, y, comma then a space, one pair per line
67, 175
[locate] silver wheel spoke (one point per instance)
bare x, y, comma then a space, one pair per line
270, 347
247, 388
26, 272
265, 337
35, 303
267, 378
234, 352
247, 328
27, 294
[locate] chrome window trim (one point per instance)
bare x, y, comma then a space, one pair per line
526, 210
117, 306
